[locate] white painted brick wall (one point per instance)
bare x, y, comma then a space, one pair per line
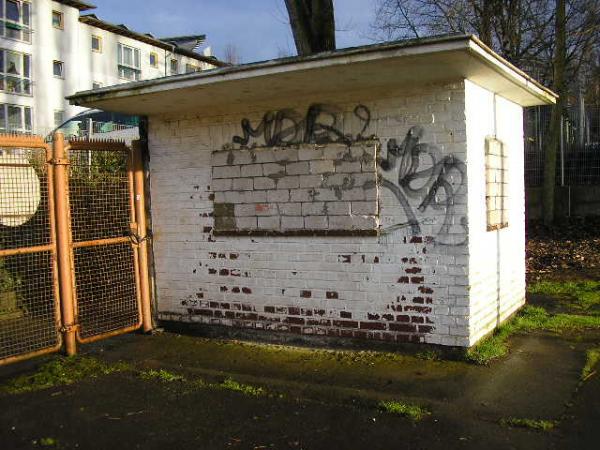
496, 258
400, 285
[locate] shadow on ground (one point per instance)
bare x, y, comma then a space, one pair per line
311, 398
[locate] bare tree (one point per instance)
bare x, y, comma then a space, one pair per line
522, 31
551, 150
231, 54
313, 25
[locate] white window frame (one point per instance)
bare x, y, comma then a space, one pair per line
176, 61
62, 117
22, 80
24, 110
155, 65
61, 64
99, 38
125, 68
23, 25
61, 24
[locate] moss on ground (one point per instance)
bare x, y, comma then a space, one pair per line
531, 318
592, 357
532, 424
62, 371
161, 375
413, 412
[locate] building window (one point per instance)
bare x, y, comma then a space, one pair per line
496, 187
174, 66
16, 19
15, 72
96, 85
129, 63
153, 59
59, 118
58, 69
96, 44
189, 68
15, 118
57, 20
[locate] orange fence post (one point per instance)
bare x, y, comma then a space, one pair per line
63, 242
140, 213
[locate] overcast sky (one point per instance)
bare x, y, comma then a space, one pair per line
258, 28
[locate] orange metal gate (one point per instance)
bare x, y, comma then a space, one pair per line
72, 221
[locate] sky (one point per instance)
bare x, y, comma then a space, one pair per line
258, 29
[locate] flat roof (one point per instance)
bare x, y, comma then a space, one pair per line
92, 20
81, 6
381, 66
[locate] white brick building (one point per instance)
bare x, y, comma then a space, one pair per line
375, 192
48, 51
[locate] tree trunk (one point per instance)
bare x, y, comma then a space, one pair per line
553, 143
313, 25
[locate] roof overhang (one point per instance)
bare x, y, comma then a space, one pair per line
81, 6
92, 20
383, 67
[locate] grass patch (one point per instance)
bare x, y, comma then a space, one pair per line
592, 356
583, 296
231, 385
532, 424
531, 318
429, 355
413, 412
48, 442
161, 375
62, 371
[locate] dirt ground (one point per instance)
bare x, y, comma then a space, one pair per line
295, 397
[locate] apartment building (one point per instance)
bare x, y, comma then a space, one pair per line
53, 48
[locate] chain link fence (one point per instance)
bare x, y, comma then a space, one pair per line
578, 162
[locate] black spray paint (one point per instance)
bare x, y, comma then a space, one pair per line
432, 186
320, 125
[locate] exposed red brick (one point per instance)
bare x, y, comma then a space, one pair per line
388, 316
425, 329
402, 327
360, 334
295, 320
419, 309
247, 307
200, 312
345, 258
225, 306
417, 280
417, 319
213, 304
296, 329
292, 310
199, 294
425, 290
416, 240
403, 280
229, 314
269, 309
345, 323
212, 271
235, 290
234, 255
345, 314
403, 318
246, 290
219, 313
224, 272
223, 288
305, 294
419, 300
372, 316
331, 295
372, 326
414, 270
